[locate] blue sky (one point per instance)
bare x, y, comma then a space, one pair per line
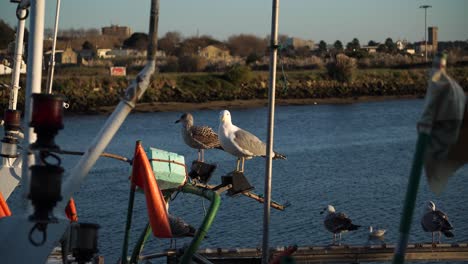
327, 20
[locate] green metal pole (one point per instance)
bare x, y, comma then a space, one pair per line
207, 221
140, 243
410, 199
129, 223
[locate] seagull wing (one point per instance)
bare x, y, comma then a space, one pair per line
343, 223
248, 143
442, 220
205, 136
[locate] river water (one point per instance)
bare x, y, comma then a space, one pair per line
356, 157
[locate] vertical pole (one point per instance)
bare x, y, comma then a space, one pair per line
33, 82
425, 32
128, 224
18, 59
140, 243
410, 199
50, 75
271, 125
425, 28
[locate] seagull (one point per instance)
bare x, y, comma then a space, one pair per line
180, 228
240, 143
436, 221
376, 234
337, 222
198, 137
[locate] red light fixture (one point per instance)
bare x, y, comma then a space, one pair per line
12, 119
47, 119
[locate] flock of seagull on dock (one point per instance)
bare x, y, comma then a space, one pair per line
245, 145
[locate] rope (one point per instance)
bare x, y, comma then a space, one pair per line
283, 78
173, 161
104, 154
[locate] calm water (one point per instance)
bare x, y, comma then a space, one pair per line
356, 157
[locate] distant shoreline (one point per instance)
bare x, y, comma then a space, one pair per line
254, 103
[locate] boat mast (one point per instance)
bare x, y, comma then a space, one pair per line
33, 82
50, 72
271, 125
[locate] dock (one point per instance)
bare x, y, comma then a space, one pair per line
333, 254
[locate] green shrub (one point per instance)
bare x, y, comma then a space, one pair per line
238, 74
342, 68
192, 63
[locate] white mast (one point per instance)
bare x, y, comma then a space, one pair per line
33, 82
271, 126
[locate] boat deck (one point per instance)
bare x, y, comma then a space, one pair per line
335, 254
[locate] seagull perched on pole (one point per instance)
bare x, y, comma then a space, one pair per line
337, 222
198, 137
240, 143
436, 221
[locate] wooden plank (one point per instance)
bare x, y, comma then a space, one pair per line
324, 254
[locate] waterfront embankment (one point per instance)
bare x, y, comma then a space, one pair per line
93, 91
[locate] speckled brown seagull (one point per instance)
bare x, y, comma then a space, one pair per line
198, 137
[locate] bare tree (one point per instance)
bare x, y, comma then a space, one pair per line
170, 42
192, 45
243, 45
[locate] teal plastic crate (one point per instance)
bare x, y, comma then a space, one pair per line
168, 167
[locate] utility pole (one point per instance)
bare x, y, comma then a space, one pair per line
425, 27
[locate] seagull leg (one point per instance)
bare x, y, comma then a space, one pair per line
238, 162
334, 239
202, 155
339, 241
198, 154
439, 237
243, 160
432, 237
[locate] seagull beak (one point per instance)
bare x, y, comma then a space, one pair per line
178, 120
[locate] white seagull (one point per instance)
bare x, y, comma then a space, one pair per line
240, 143
376, 233
198, 137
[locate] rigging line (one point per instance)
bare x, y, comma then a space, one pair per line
283, 78
44, 155
104, 154
204, 206
50, 75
